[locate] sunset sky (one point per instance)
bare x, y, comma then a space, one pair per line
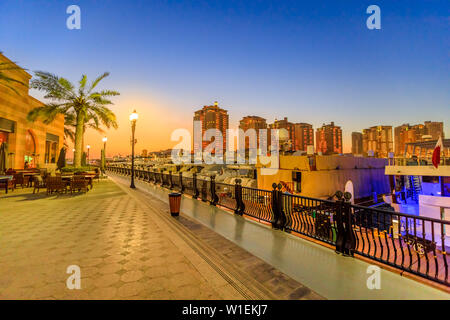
310, 61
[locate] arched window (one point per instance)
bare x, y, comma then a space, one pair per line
30, 150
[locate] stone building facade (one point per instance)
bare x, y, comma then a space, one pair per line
34, 143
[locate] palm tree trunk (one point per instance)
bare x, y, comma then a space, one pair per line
79, 135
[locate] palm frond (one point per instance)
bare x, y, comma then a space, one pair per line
96, 81
46, 113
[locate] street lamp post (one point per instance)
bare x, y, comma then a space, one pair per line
88, 148
104, 153
104, 144
133, 118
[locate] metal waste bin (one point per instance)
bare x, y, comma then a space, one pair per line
174, 203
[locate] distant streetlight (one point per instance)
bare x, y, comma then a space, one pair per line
88, 148
133, 118
104, 145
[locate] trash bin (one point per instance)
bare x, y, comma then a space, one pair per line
174, 203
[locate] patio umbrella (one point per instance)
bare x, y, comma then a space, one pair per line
62, 159
3, 157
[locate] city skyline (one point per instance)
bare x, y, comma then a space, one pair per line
368, 140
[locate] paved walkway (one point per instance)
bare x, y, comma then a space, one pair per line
127, 247
321, 269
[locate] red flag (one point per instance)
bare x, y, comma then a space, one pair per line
437, 152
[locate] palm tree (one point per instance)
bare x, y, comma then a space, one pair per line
82, 107
7, 81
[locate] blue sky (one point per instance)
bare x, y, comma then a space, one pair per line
312, 61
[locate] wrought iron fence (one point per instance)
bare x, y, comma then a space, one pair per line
226, 195
412, 243
311, 217
257, 203
415, 244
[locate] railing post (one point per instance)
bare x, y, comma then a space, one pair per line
345, 239
170, 180
214, 197
281, 217
274, 205
181, 182
278, 221
350, 241
204, 191
194, 185
238, 195
340, 236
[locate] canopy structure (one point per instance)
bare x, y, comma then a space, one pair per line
428, 146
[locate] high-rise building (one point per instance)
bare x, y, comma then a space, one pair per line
303, 136
435, 129
329, 139
212, 117
256, 123
287, 138
406, 133
402, 135
357, 143
378, 139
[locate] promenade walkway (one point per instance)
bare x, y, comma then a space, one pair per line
127, 247
321, 269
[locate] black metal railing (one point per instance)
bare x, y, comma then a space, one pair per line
415, 244
412, 243
226, 195
257, 203
311, 217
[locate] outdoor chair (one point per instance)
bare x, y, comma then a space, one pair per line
97, 174
78, 183
39, 183
11, 183
21, 179
55, 184
43, 172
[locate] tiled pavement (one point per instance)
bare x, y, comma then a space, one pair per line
127, 247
